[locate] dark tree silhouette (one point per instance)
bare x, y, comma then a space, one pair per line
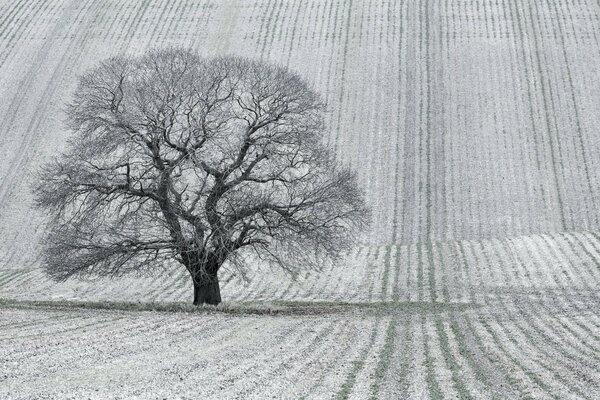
203, 161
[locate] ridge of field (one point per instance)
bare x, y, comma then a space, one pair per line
465, 119
421, 272
493, 318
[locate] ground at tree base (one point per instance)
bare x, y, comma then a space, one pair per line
511, 318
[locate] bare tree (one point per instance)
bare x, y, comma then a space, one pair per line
203, 161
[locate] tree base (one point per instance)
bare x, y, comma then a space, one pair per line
207, 291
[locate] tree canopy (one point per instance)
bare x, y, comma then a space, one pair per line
203, 161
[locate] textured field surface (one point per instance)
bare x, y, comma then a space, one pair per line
501, 318
465, 119
474, 127
522, 351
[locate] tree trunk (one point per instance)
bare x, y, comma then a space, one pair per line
207, 290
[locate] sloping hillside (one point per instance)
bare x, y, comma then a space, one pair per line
465, 119
474, 125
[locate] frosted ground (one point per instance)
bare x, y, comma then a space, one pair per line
474, 128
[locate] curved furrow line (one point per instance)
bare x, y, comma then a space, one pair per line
284, 360
394, 382
32, 275
504, 336
65, 332
9, 275
543, 330
526, 368
118, 19
314, 365
462, 327
565, 307
37, 333
8, 17
294, 28
496, 377
536, 387
526, 339
18, 281
334, 366
573, 294
249, 291
466, 374
593, 255
134, 25
519, 32
37, 287
478, 374
399, 143
124, 348
358, 363
495, 356
18, 11
148, 27
74, 49
415, 375
38, 348
433, 386
374, 363
173, 15
342, 281
241, 357
456, 378
161, 284
532, 330
452, 380
121, 331
384, 358
181, 287
24, 29
530, 369
577, 112
12, 329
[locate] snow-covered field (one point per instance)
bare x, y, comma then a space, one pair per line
499, 318
474, 127
522, 350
